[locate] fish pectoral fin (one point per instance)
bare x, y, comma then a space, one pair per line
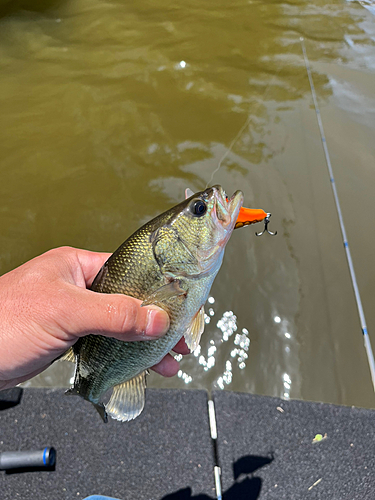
165, 292
128, 398
68, 356
194, 332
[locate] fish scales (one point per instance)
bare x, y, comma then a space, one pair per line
171, 261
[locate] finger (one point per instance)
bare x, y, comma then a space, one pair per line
7, 384
112, 315
168, 366
80, 265
181, 347
91, 263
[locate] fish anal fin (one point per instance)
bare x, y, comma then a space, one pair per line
164, 293
68, 356
128, 398
194, 332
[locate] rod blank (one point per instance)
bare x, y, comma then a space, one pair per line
370, 355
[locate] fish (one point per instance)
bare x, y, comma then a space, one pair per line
170, 262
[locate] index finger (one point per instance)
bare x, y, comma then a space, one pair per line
91, 263
181, 347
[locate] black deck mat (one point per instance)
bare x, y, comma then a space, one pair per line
266, 449
165, 453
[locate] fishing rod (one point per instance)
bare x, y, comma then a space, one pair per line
370, 355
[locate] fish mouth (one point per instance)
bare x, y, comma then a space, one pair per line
227, 209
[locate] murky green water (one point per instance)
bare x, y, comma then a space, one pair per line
109, 109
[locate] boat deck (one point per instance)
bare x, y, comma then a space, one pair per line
265, 448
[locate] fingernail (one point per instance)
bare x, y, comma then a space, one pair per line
157, 322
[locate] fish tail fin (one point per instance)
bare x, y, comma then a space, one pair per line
128, 398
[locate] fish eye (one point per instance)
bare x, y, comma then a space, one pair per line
198, 208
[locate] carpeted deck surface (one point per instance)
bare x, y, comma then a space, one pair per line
265, 448
267, 451
166, 449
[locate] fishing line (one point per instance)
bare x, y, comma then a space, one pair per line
240, 132
229, 149
361, 313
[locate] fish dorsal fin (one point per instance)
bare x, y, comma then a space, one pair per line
68, 356
128, 399
188, 193
164, 293
194, 332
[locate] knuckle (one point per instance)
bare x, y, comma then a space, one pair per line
124, 316
58, 252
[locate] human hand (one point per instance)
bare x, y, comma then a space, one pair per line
46, 308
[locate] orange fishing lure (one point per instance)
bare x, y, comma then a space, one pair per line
249, 216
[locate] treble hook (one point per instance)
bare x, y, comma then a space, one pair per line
266, 222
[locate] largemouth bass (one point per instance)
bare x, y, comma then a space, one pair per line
171, 262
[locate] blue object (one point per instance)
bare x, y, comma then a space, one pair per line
45, 451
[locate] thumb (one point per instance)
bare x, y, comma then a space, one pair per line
113, 315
